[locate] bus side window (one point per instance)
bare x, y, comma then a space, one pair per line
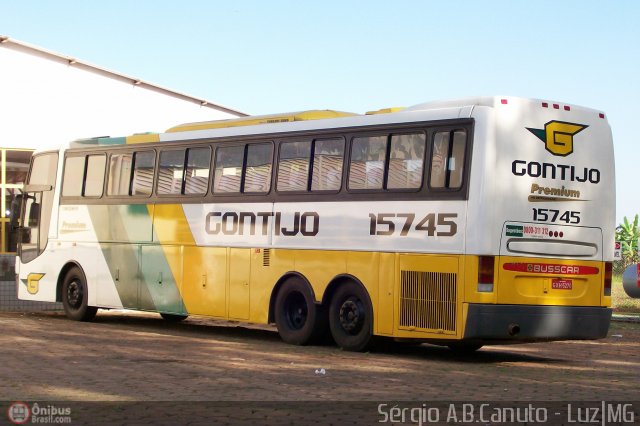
406, 161
328, 157
171, 172
456, 162
73, 176
119, 174
366, 170
196, 179
293, 166
94, 176
257, 176
228, 169
447, 159
143, 168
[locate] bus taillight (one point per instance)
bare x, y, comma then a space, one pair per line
485, 273
608, 274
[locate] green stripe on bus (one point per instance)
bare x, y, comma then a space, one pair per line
139, 268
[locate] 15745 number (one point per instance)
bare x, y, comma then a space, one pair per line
552, 215
433, 224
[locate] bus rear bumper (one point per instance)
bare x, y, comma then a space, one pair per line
536, 323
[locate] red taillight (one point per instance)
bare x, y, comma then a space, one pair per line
485, 273
608, 275
601, 115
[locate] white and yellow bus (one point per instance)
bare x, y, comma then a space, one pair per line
462, 223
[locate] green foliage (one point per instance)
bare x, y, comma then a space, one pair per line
627, 234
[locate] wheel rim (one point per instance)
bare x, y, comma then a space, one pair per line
352, 315
74, 294
295, 311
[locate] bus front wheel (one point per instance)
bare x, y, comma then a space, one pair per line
75, 297
297, 316
351, 317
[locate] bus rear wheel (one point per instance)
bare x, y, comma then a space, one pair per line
297, 316
75, 296
351, 317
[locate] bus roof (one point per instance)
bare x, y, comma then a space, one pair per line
303, 120
261, 119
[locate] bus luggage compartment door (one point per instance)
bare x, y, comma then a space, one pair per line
429, 295
159, 281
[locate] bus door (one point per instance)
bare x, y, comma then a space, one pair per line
28, 226
36, 206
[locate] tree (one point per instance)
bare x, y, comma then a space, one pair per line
628, 234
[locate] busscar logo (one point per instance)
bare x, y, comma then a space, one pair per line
558, 136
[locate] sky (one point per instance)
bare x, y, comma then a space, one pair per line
264, 57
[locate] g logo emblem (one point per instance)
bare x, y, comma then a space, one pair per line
558, 136
33, 282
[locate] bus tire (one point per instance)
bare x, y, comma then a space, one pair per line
173, 317
297, 315
351, 317
75, 296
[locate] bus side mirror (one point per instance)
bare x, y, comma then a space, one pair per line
34, 214
14, 211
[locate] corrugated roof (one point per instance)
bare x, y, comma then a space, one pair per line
9, 43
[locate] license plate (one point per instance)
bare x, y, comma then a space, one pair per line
561, 284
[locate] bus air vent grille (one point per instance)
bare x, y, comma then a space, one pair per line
428, 301
266, 257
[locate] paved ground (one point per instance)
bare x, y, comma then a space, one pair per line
250, 374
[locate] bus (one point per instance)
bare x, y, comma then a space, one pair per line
460, 223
